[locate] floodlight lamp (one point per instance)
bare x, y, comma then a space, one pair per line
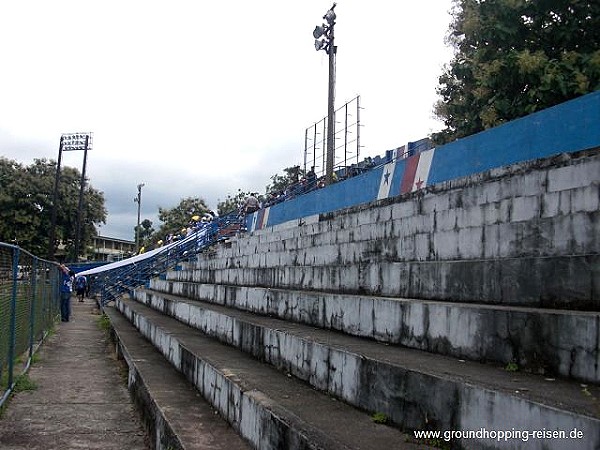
319, 45
319, 31
330, 17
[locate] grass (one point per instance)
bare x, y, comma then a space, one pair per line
512, 367
104, 322
23, 383
380, 418
35, 358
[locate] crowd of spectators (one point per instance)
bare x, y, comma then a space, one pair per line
309, 182
253, 202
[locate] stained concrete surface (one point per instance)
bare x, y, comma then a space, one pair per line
81, 401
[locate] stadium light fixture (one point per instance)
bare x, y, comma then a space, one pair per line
69, 142
327, 43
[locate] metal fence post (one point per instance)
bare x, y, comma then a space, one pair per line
13, 318
32, 304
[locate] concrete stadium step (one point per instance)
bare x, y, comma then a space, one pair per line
520, 235
175, 414
268, 408
555, 342
414, 389
565, 282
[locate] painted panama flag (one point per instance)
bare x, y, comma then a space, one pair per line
416, 172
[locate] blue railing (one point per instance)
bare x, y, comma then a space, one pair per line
113, 280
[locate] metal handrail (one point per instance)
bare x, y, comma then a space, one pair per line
110, 283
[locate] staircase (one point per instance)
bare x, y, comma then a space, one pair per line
468, 309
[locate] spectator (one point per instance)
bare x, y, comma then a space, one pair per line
311, 178
251, 204
66, 288
80, 285
208, 217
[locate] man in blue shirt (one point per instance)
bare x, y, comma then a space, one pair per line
66, 288
80, 285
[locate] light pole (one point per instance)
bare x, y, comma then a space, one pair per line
69, 142
327, 44
138, 200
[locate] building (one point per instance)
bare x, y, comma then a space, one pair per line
111, 249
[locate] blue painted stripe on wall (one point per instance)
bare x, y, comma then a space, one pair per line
359, 189
568, 127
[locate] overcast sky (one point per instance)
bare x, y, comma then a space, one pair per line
197, 98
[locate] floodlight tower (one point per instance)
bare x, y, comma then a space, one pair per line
327, 44
85, 141
69, 142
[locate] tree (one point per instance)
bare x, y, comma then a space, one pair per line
232, 203
176, 218
26, 197
146, 232
515, 57
280, 182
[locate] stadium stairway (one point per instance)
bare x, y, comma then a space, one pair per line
468, 307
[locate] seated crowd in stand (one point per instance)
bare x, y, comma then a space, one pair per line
307, 183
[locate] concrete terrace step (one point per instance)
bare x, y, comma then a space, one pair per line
558, 197
397, 242
535, 281
565, 186
415, 389
175, 414
558, 342
521, 235
267, 408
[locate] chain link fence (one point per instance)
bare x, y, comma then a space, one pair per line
29, 307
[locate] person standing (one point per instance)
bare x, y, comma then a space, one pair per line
251, 204
80, 286
66, 288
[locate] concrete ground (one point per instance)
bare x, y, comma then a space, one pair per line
81, 400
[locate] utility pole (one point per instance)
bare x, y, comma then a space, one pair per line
138, 200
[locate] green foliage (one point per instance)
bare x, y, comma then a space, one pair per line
291, 176
232, 202
104, 322
279, 183
380, 418
24, 383
26, 197
515, 57
512, 367
176, 218
146, 232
